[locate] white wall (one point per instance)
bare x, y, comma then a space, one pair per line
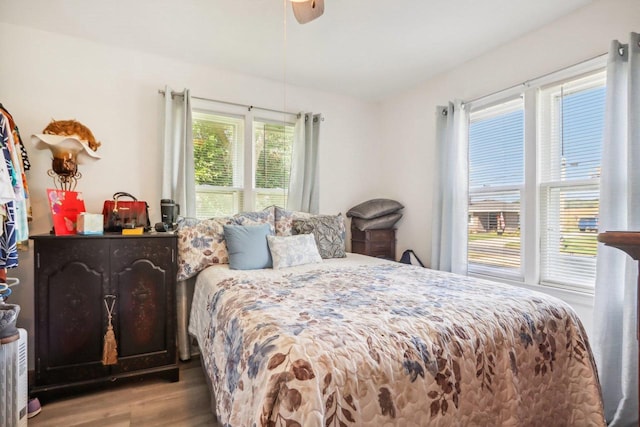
408, 120
115, 93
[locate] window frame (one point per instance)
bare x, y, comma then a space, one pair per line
530, 219
245, 148
581, 82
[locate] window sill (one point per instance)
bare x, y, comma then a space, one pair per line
568, 295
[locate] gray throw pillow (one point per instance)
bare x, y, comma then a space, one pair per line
381, 222
328, 231
375, 208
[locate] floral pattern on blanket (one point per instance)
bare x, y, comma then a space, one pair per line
394, 344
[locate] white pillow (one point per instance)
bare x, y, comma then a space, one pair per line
288, 251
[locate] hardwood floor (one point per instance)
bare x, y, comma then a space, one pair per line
149, 403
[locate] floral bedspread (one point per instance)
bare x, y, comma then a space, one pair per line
363, 342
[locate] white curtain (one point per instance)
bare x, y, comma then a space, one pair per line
615, 345
451, 193
178, 183
304, 194
178, 176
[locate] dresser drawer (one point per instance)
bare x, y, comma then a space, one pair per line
378, 247
377, 243
381, 253
382, 235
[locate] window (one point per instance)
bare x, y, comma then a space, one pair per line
273, 145
571, 132
534, 171
496, 177
242, 162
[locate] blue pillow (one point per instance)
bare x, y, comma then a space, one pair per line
247, 246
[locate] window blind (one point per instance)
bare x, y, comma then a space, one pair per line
496, 175
273, 144
496, 145
218, 144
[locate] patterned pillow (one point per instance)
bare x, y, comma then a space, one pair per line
329, 231
284, 220
289, 251
256, 218
200, 244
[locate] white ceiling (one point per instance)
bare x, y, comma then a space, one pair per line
364, 48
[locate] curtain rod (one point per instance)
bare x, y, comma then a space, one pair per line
528, 82
248, 107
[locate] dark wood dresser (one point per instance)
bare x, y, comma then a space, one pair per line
378, 243
74, 277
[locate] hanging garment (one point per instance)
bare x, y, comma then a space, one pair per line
8, 247
13, 194
7, 192
14, 166
26, 165
21, 153
23, 208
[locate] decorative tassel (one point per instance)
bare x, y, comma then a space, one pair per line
110, 349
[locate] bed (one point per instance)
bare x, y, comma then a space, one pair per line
363, 342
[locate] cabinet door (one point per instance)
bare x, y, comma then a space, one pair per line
71, 281
143, 277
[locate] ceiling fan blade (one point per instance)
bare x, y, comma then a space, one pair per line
308, 10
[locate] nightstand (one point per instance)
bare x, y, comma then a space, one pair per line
377, 243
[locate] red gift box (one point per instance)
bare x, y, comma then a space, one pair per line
65, 208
